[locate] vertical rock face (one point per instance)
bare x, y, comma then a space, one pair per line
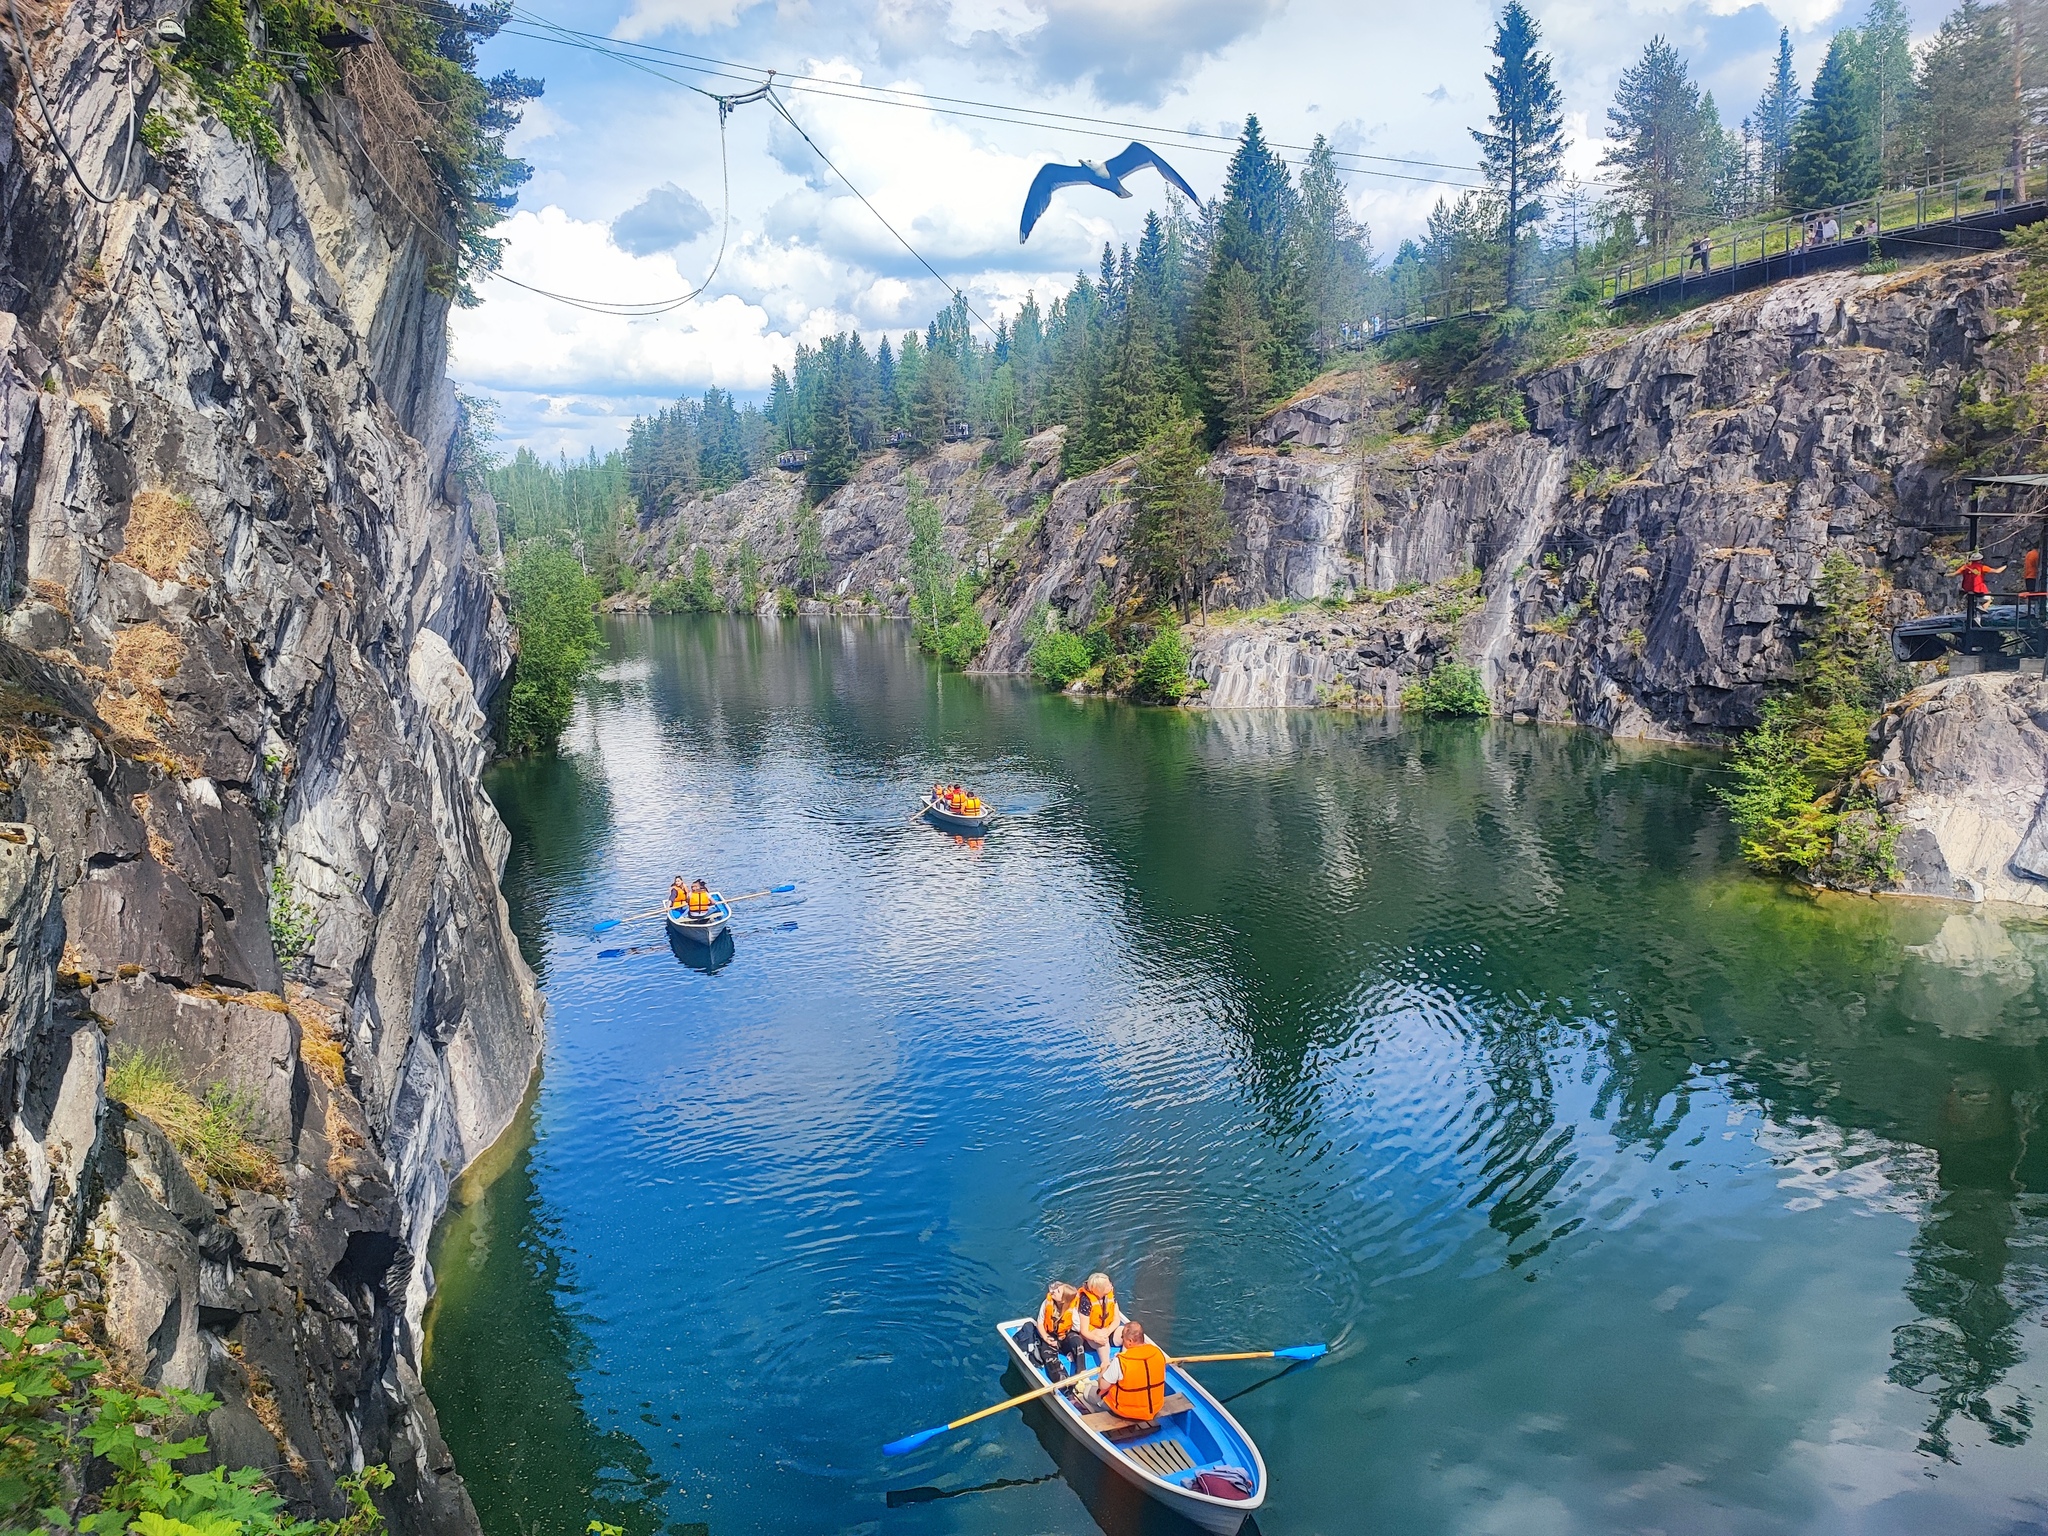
249, 642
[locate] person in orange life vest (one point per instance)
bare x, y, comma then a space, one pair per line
678, 891
1051, 1341
1133, 1385
1096, 1317
699, 898
2030, 569
1972, 573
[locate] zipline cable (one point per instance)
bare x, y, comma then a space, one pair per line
776, 102
1019, 115
50, 118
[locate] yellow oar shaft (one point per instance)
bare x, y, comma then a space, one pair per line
1250, 1354
1025, 1397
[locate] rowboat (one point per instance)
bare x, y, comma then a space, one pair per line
953, 821
1195, 1435
700, 930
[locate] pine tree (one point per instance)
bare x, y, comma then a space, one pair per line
1660, 142
1956, 123
1523, 154
1777, 114
1885, 62
1180, 530
1834, 150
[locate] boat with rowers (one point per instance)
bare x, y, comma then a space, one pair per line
955, 809
705, 926
1194, 1443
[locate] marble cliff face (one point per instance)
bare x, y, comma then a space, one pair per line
250, 639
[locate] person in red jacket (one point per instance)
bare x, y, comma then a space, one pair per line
1971, 574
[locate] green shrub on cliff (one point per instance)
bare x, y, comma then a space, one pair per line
1058, 656
694, 593
1449, 688
1789, 794
1161, 673
210, 1134
554, 615
82, 1454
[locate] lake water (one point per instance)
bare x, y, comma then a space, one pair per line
1632, 1192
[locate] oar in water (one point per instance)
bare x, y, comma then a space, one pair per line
912, 1442
650, 949
612, 922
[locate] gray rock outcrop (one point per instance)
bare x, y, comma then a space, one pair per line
249, 646
1961, 783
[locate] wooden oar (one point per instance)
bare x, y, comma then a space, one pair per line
912, 1442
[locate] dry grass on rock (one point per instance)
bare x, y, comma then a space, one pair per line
161, 535
210, 1134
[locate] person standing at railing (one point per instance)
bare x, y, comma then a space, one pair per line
1702, 253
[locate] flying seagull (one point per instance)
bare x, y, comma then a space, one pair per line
1109, 176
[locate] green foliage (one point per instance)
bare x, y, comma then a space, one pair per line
433, 42
1058, 656
811, 565
471, 458
1448, 688
1524, 152
1788, 772
944, 615
1161, 673
1834, 151
158, 133
1664, 143
574, 499
1180, 533
293, 923
82, 1457
695, 593
554, 618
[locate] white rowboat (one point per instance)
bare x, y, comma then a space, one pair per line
1194, 1434
701, 930
953, 821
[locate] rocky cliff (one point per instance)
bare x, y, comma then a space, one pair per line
249, 642
1642, 558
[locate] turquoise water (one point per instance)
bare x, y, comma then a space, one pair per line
1633, 1193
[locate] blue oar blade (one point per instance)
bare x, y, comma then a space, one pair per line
607, 925
609, 954
782, 890
1302, 1352
912, 1442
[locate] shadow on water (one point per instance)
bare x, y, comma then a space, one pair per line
503, 1350
708, 958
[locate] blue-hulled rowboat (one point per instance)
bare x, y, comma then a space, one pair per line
1195, 1434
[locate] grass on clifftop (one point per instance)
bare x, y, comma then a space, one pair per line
210, 1134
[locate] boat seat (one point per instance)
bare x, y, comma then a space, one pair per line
1105, 1421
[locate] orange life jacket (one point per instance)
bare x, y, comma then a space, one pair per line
1100, 1309
1141, 1391
1056, 1322
700, 903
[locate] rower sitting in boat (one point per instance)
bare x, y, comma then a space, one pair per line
1133, 1384
1053, 1342
698, 900
1096, 1317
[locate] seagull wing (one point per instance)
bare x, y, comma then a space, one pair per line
1135, 156
1050, 179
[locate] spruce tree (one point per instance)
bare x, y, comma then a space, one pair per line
1777, 115
1237, 363
1332, 251
1524, 153
1834, 149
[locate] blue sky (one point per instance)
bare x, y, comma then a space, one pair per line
628, 200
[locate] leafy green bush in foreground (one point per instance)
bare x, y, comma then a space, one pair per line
80, 1457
